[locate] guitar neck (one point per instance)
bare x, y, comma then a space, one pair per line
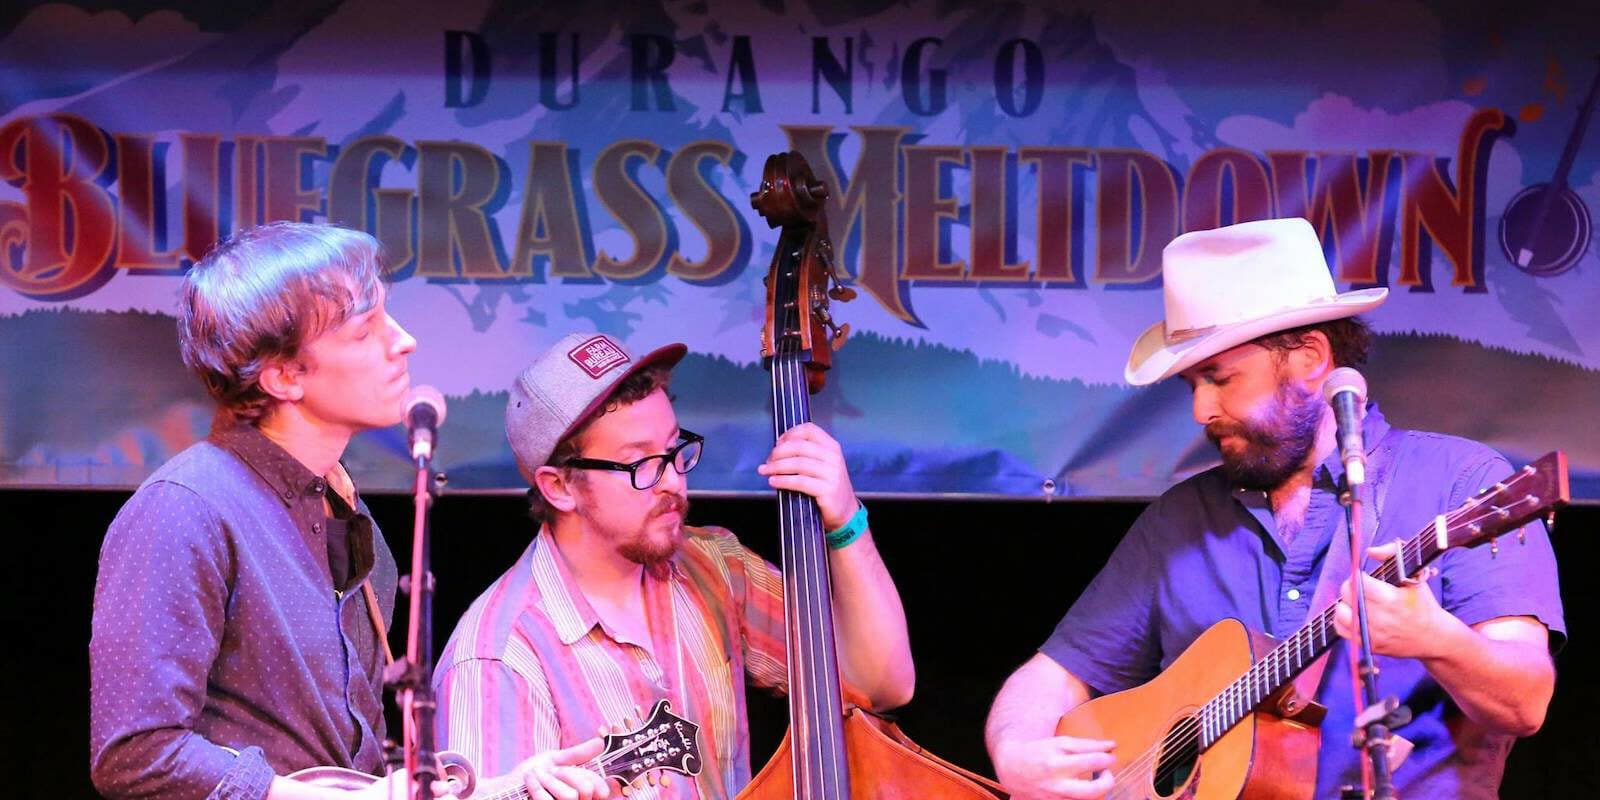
1481, 518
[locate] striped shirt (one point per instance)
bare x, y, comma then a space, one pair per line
531, 666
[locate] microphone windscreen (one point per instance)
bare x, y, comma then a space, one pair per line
424, 395
1342, 379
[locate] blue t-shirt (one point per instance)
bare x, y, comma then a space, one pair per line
1205, 551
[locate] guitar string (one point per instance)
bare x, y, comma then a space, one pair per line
1188, 731
1185, 733
1228, 699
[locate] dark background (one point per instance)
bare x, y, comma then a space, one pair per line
983, 584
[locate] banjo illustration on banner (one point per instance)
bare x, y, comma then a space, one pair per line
1546, 227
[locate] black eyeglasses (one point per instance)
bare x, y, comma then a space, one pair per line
647, 471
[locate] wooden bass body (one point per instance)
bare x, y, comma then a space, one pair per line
1262, 756
884, 765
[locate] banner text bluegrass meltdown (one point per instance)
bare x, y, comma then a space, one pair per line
95, 202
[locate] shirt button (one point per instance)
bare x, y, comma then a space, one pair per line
1294, 594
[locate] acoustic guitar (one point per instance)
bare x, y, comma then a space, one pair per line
1223, 720
665, 741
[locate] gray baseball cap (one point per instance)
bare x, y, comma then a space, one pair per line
563, 386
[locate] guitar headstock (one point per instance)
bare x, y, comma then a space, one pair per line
665, 741
1537, 489
804, 275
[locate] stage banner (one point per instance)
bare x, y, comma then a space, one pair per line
1002, 178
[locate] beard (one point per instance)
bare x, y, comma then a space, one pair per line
648, 546
1275, 446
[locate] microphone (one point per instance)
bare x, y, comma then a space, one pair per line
423, 411
1346, 391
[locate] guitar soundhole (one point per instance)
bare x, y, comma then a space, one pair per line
1180, 751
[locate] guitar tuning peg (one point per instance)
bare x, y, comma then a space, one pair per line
627, 789
1522, 538
1550, 521
666, 779
1494, 547
843, 294
650, 777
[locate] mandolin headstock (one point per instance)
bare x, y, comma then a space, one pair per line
665, 741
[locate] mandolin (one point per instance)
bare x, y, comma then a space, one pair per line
665, 741
835, 748
1222, 721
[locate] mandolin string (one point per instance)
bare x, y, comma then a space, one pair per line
598, 764
609, 758
1188, 731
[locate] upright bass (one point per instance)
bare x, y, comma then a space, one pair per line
835, 748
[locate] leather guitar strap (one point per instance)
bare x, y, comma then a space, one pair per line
339, 480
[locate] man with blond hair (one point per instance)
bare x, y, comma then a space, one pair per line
244, 590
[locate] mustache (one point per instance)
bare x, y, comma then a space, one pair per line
1217, 429
671, 503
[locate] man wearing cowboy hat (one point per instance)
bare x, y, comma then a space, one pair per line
618, 603
1254, 326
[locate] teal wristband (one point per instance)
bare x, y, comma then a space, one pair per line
851, 530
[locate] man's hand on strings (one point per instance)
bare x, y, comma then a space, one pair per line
1403, 620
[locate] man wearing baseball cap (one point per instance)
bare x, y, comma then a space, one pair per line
617, 603
1254, 326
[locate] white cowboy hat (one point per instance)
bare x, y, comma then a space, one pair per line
1227, 286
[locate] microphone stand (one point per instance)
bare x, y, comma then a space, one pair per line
1374, 723
412, 677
